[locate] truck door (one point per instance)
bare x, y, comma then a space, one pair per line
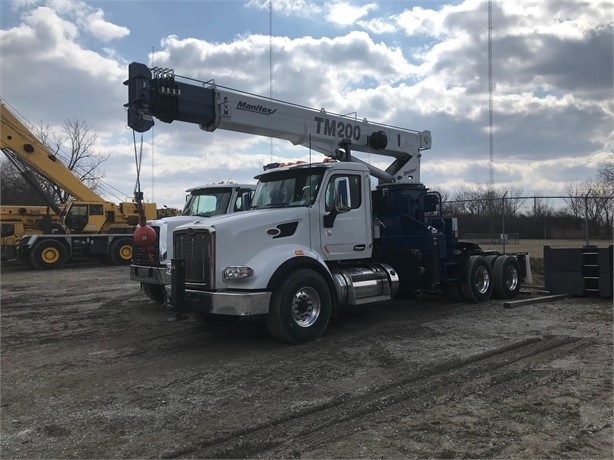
345, 225
76, 217
85, 218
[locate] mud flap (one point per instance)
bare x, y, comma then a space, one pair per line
528, 277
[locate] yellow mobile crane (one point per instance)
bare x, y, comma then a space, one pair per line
89, 226
16, 221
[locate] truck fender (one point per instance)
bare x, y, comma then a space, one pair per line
303, 262
265, 263
27, 242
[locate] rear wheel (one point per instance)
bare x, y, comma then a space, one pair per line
506, 277
155, 292
120, 252
300, 308
47, 254
478, 285
492, 259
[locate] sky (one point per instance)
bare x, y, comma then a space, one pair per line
421, 65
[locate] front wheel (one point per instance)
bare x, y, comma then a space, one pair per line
300, 308
120, 252
48, 254
155, 292
478, 285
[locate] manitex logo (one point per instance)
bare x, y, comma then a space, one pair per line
241, 105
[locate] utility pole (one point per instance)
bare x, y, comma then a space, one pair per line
491, 182
491, 123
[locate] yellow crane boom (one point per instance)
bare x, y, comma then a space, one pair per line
20, 141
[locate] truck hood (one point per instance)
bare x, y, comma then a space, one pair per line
262, 238
166, 227
248, 220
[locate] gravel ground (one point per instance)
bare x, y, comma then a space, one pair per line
92, 369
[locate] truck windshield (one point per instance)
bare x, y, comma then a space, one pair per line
207, 203
295, 187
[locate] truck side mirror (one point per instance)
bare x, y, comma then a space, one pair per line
342, 200
246, 200
430, 203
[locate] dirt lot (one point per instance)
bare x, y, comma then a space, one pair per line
92, 369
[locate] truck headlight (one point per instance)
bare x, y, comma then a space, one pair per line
235, 273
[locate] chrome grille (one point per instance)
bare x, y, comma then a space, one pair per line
195, 249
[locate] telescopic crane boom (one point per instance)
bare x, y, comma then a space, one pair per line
157, 93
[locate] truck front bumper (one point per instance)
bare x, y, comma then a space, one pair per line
150, 275
228, 303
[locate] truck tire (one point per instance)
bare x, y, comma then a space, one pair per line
47, 254
120, 251
506, 275
300, 307
478, 287
492, 259
155, 292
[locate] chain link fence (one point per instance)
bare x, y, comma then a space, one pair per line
509, 219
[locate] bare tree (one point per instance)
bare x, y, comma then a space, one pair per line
606, 169
483, 200
592, 201
78, 140
14, 189
73, 145
604, 199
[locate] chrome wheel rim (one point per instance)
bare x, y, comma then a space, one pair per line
482, 280
306, 305
511, 278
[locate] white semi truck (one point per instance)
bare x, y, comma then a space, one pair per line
151, 266
318, 236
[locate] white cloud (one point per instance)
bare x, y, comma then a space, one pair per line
420, 21
552, 73
49, 43
346, 14
378, 26
104, 30
287, 7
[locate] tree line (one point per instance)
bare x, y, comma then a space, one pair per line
585, 208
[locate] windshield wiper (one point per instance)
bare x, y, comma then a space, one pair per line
277, 205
